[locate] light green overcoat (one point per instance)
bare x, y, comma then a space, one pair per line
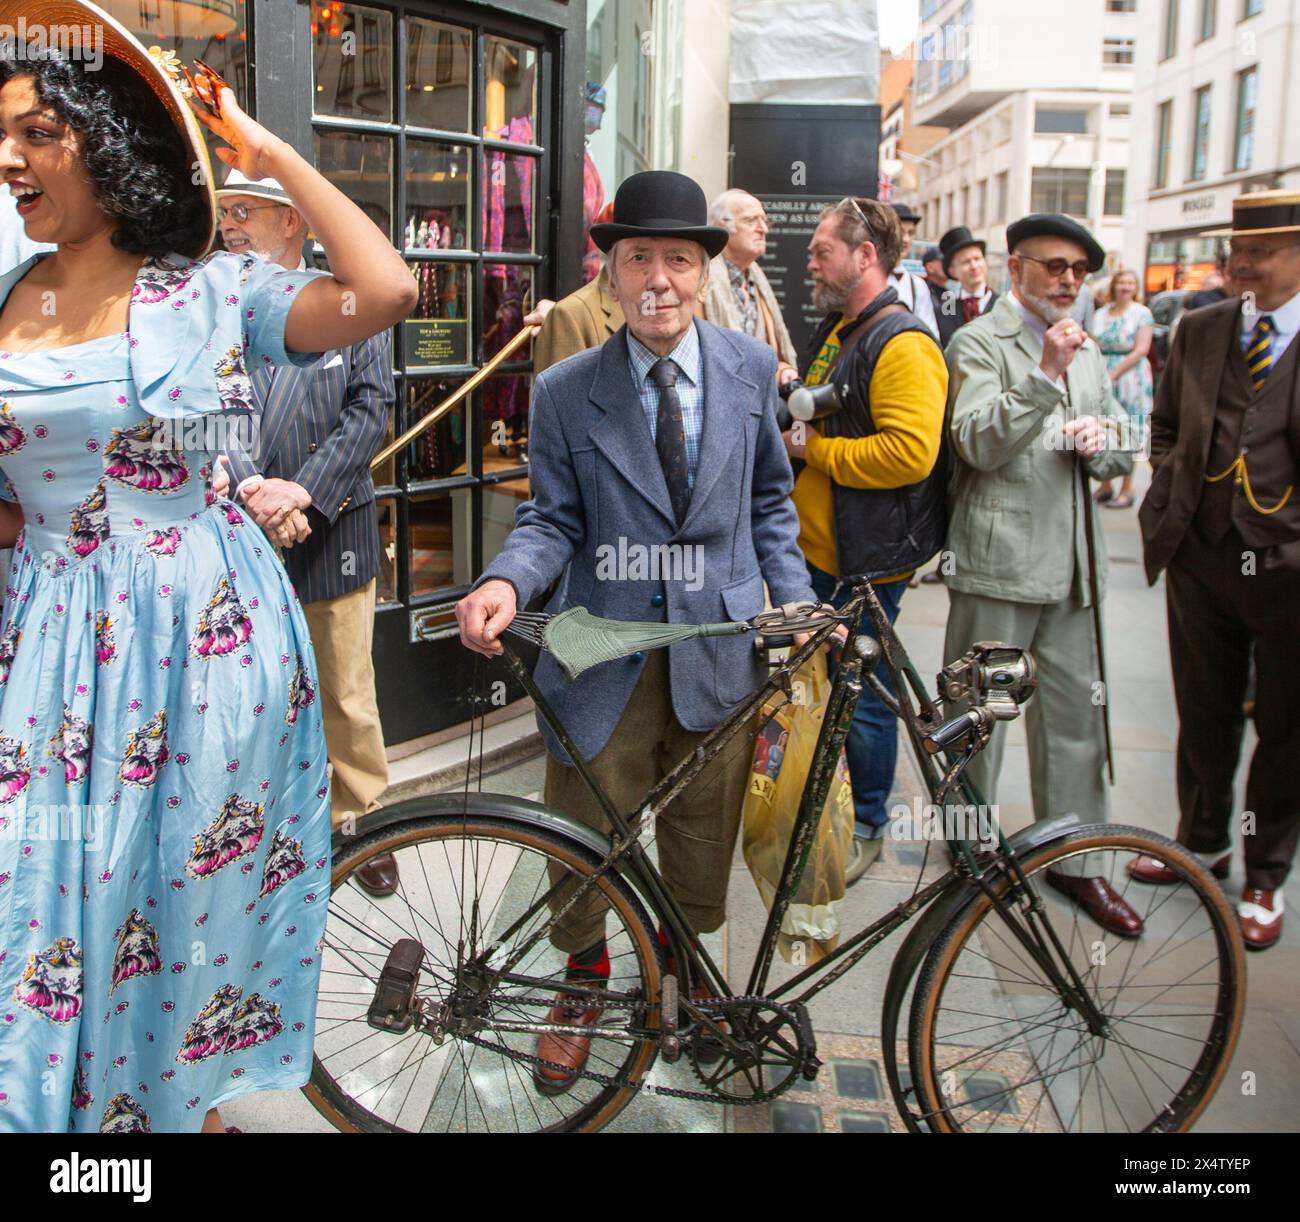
1015, 528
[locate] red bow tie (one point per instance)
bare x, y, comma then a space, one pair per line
970, 308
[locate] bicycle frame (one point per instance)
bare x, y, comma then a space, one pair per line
1034, 933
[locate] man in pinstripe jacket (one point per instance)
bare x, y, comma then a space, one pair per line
308, 484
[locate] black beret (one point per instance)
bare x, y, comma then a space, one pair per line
1054, 225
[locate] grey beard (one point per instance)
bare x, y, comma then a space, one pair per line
831, 297
1048, 312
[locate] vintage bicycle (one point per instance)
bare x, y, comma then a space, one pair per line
1023, 1013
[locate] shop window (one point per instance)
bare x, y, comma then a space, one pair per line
353, 53
505, 422
510, 91
438, 75
385, 475
508, 202
361, 166
437, 196
440, 530
440, 451
386, 582
437, 330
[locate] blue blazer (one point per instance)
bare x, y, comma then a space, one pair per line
598, 487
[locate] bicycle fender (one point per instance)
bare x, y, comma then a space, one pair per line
491, 805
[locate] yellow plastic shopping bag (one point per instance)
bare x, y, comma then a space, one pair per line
782, 757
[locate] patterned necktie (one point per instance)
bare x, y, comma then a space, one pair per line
670, 437
1259, 352
970, 308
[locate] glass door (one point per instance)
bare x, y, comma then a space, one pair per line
435, 126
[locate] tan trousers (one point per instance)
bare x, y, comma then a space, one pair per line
696, 834
342, 633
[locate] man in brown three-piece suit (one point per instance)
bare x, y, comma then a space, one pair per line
1223, 517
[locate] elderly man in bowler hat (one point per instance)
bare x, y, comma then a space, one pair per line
1032, 417
664, 436
1222, 519
963, 260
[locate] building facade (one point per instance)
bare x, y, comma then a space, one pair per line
1213, 107
1038, 125
904, 143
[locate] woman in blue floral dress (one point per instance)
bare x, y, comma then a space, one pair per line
1123, 331
164, 811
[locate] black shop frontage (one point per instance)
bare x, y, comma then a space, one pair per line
457, 127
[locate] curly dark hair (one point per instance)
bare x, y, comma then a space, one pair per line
131, 149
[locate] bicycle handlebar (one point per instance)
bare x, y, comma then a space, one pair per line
953, 731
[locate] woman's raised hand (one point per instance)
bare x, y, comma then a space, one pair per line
247, 139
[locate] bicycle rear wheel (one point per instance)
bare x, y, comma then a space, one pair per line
465, 1064
994, 1046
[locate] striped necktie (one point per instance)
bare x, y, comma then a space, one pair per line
1259, 352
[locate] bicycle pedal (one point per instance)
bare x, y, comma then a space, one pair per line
393, 1005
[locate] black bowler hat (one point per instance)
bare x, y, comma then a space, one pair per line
1054, 225
904, 213
661, 204
955, 240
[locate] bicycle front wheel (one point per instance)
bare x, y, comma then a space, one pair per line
995, 1045
463, 1052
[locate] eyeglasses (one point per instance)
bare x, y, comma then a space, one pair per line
1257, 253
240, 211
1056, 268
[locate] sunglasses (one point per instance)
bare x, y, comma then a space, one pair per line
862, 216
213, 82
1056, 268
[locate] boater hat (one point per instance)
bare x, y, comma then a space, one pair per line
159, 69
266, 188
661, 204
1262, 212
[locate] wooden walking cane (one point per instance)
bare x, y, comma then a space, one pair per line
1091, 544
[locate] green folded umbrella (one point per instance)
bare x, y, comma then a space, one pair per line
578, 640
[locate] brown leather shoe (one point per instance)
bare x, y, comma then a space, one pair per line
1099, 900
1260, 914
1148, 870
378, 876
570, 1051
709, 1052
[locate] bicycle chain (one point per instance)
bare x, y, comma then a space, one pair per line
642, 1087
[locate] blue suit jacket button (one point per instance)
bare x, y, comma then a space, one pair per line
638, 656
657, 600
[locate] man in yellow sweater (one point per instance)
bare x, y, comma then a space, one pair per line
872, 493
